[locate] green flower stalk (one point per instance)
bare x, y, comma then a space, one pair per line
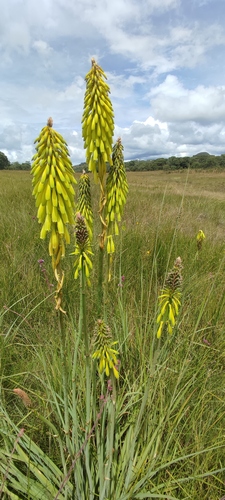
83, 265
97, 130
116, 189
82, 250
104, 350
169, 299
53, 180
84, 206
200, 238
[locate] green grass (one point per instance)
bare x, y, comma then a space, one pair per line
170, 413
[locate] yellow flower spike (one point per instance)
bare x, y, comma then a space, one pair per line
171, 315
164, 306
87, 259
87, 273
104, 350
97, 131
97, 104
159, 331
53, 175
169, 299
115, 372
84, 206
170, 329
176, 304
117, 190
200, 238
80, 262
159, 317
101, 365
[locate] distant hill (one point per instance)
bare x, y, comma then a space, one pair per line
204, 153
80, 167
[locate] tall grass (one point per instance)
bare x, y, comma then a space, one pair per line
164, 437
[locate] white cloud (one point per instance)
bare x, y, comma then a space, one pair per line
147, 138
74, 91
42, 47
162, 58
177, 47
126, 25
171, 101
153, 138
17, 35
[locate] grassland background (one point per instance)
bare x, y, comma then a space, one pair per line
163, 214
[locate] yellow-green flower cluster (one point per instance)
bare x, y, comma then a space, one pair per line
53, 179
169, 299
117, 189
98, 122
104, 351
84, 202
200, 238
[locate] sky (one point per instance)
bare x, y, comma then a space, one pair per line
164, 61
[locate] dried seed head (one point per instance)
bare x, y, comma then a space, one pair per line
102, 332
174, 278
50, 122
84, 205
23, 396
178, 263
81, 231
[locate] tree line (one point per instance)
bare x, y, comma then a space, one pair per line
5, 164
199, 161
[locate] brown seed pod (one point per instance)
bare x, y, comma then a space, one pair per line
23, 396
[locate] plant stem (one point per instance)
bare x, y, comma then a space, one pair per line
83, 328
102, 205
106, 490
65, 381
78, 471
82, 448
100, 281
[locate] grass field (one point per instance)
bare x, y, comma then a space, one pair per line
164, 436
